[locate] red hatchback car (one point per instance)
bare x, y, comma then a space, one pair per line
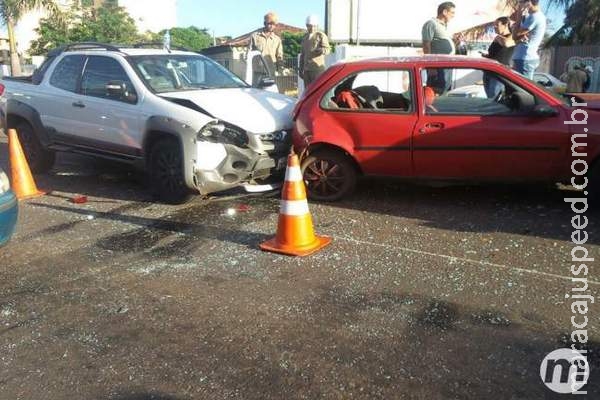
440, 118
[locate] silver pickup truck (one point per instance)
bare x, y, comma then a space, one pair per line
180, 116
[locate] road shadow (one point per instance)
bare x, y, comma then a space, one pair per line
151, 231
532, 210
383, 345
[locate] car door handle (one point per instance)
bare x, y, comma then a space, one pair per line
431, 127
78, 104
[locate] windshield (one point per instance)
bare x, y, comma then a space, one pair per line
171, 72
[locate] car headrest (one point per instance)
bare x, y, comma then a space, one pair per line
371, 94
428, 95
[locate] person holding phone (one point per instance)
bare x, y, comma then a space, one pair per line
501, 50
528, 35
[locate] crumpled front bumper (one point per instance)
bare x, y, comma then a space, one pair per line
221, 166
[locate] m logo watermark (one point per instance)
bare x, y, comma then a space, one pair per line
565, 371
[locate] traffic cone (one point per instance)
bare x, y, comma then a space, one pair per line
22, 181
295, 234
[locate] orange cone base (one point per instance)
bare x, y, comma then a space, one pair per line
32, 195
274, 246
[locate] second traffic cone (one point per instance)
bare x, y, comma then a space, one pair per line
295, 234
22, 181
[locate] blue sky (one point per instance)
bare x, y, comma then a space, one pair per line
234, 17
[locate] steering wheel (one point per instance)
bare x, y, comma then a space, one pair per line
500, 97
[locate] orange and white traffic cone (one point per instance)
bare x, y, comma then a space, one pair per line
22, 181
295, 233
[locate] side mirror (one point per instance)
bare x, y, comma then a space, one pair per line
266, 82
544, 111
118, 90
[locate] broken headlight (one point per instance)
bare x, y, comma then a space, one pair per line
222, 132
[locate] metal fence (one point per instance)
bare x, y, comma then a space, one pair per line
287, 81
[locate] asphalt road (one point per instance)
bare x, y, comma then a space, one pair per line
424, 293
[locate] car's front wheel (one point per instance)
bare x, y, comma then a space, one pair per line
38, 158
329, 175
166, 172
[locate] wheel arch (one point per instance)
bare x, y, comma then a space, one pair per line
161, 127
321, 146
18, 112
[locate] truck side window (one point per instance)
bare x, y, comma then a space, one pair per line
99, 72
67, 72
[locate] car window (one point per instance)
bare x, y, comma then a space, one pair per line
467, 91
102, 72
179, 72
372, 91
67, 72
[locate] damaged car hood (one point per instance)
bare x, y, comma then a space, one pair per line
253, 110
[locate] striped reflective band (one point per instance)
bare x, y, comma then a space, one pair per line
293, 207
293, 174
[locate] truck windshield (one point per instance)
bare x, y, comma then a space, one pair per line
177, 72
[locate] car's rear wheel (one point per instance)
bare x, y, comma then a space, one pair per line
38, 158
329, 175
166, 172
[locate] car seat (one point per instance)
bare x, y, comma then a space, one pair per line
371, 95
347, 99
429, 97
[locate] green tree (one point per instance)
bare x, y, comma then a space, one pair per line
106, 24
581, 24
292, 44
191, 38
11, 12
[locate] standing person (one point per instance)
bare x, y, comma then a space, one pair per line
576, 79
268, 43
437, 40
315, 45
500, 50
528, 35
589, 71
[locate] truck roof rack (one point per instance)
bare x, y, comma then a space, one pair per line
158, 45
90, 46
81, 46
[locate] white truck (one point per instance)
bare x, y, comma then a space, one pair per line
180, 116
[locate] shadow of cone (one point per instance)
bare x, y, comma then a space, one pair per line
295, 234
22, 181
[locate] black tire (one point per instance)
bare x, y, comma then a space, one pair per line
39, 159
166, 172
329, 175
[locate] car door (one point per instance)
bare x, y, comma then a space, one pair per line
107, 120
380, 121
54, 101
464, 134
